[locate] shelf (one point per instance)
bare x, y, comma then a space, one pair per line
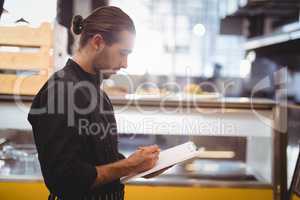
267, 41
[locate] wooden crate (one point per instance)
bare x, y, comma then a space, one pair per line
40, 60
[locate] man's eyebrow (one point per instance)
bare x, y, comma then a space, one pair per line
126, 51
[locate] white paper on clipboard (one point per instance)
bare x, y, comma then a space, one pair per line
169, 157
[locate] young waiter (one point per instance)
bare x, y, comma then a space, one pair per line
73, 121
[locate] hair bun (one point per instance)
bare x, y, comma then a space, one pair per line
77, 24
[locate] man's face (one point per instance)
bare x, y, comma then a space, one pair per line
114, 57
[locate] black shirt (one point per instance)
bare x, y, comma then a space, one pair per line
74, 130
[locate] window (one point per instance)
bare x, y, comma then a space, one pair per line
181, 38
33, 11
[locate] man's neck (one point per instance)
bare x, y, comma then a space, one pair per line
83, 60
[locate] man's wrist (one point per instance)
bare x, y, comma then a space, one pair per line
130, 165
113, 171
101, 174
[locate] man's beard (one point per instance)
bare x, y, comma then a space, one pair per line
106, 76
103, 73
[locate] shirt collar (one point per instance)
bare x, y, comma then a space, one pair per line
95, 78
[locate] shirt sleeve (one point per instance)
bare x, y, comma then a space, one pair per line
60, 148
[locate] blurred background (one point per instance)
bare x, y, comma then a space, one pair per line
231, 43
230, 70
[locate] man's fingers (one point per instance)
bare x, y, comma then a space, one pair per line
153, 155
151, 149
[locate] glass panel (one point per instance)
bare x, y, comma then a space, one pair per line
17, 9
181, 38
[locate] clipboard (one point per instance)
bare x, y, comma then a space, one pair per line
169, 157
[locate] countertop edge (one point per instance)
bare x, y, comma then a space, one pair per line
164, 182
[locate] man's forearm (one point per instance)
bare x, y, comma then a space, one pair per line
141, 160
111, 172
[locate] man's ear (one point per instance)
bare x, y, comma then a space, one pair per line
98, 42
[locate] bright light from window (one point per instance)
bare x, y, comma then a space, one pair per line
167, 41
245, 68
34, 11
251, 56
199, 30
147, 55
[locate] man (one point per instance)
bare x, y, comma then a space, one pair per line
79, 161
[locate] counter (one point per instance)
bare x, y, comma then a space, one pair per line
221, 102
198, 172
241, 178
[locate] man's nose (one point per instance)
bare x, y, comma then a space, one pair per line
124, 63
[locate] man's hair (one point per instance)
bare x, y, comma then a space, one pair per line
107, 21
1, 7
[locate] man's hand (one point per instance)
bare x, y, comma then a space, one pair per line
144, 158
141, 160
